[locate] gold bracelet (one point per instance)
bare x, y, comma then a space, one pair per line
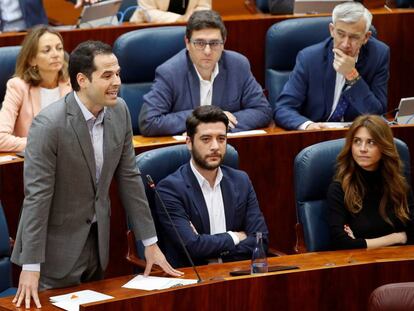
352, 75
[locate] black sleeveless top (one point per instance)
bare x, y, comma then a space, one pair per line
178, 6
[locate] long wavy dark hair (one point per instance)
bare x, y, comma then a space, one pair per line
395, 187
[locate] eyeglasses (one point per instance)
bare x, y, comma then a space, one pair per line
201, 44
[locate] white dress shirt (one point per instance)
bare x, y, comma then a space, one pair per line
214, 202
206, 87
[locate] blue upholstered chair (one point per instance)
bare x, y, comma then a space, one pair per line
8, 56
5, 265
159, 163
139, 53
284, 40
314, 168
263, 5
126, 9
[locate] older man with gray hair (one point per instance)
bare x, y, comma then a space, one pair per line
339, 78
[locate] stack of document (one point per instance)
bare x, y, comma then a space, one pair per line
72, 301
154, 282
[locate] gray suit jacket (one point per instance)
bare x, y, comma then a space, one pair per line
61, 192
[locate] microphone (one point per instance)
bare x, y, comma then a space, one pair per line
151, 184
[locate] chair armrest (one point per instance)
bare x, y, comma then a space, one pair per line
133, 258
272, 252
300, 246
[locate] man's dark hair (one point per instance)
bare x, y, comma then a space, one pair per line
82, 59
204, 114
205, 19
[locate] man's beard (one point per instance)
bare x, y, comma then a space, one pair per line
198, 159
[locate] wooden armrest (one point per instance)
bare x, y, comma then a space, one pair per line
132, 255
272, 252
300, 246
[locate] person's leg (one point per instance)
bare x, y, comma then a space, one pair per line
86, 269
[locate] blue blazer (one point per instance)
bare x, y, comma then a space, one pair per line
184, 200
176, 92
33, 12
308, 94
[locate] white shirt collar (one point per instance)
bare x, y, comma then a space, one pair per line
200, 178
213, 74
85, 111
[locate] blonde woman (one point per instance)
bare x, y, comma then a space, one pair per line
41, 78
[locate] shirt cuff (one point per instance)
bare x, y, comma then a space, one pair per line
35, 267
304, 125
234, 237
150, 241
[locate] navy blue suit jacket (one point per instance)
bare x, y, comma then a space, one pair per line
176, 92
308, 94
33, 12
184, 200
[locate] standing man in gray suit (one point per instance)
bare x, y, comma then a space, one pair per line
75, 147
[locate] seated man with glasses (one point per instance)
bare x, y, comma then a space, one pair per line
203, 74
339, 78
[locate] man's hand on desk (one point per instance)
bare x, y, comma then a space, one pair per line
315, 126
79, 3
232, 119
28, 289
153, 255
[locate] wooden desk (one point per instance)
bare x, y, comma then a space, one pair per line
246, 34
341, 280
268, 160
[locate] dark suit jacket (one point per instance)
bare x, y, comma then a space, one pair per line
184, 200
308, 94
33, 12
61, 192
176, 92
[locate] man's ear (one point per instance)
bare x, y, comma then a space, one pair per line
187, 42
331, 29
367, 36
82, 79
189, 143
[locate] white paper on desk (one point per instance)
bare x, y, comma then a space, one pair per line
7, 158
236, 134
154, 282
337, 125
72, 301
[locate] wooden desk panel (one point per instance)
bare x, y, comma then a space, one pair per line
246, 34
268, 160
341, 280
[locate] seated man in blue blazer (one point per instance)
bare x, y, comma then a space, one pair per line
214, 207
204, 74
338, 79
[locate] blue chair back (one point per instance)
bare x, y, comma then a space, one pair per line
5, 265
284, 41
8, 57
127, 8
161, 162
139, 53
263, 5
314, 169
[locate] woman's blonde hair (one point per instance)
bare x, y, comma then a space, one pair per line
27, 72
394, 184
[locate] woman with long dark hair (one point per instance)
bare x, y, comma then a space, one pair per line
370, 202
